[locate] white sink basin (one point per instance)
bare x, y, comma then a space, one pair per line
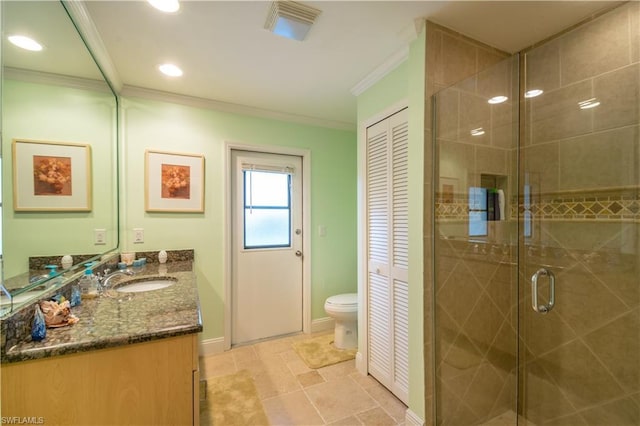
145, 285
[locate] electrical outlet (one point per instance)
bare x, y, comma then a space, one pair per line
99, 236
138, 235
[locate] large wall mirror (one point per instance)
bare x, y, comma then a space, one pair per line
59, 152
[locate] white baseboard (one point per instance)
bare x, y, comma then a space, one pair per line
212, 346
361, 366
322, 324
412, 419
216, 345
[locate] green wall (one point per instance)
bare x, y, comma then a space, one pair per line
391, 89
406, 82
177, 128
59, 114
417, 69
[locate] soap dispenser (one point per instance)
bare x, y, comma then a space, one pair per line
53, 270
88, 283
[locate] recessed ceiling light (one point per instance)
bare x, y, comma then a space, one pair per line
170, 70
477, 132
497, 99
168, 6
589, 103
25, 43
533, 93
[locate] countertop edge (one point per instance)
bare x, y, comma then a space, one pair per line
73, 348
191, 323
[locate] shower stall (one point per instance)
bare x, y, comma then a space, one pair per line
536, 302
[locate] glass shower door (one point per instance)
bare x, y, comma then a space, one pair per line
579, 251
537, 234
476, 238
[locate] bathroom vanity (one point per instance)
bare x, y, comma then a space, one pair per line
132, 358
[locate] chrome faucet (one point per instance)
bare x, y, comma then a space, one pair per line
104, 280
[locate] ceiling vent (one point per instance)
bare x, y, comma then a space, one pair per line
291, 19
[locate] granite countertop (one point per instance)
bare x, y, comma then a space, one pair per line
119, 318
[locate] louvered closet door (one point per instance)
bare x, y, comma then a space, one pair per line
387, 227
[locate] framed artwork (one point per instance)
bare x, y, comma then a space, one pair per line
51, 176
448, 189
174, 182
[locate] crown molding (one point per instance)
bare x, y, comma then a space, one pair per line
39, 77
192, 101
411, 31
89, 33
382, 70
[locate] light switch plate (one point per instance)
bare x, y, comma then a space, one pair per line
99, 237
138, 235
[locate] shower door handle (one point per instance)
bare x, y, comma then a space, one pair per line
543, 309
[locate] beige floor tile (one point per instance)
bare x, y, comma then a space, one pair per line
375, 417
273, 346
309, 379
339, 398
254, 366
389, 403
364, 381
244, 353
217, 365
348, 421
338, 371
298, 367
290, 355
294, 394
272, 359
275, 380
291, 409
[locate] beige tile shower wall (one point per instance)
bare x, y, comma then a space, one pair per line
584, 166
586, 149
451, 57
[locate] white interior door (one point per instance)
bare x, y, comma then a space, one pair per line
267, 268
387, 253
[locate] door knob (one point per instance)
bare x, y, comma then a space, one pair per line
298, 253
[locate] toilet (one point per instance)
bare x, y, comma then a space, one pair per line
343, 308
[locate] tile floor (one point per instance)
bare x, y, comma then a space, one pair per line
293, 394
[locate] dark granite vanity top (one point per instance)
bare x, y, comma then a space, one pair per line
120, 318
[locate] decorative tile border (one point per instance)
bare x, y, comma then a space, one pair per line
623, 205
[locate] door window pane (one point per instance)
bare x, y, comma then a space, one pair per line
266, 189
267, 209
266, 228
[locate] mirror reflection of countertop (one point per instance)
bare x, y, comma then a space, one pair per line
123, 318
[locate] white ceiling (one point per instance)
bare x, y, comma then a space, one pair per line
228, 56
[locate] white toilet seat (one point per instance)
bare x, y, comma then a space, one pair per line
342, 303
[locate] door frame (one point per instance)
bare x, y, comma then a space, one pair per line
362, 356
227, 254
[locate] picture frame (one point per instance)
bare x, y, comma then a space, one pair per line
51, 176
448, 189
174, 182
